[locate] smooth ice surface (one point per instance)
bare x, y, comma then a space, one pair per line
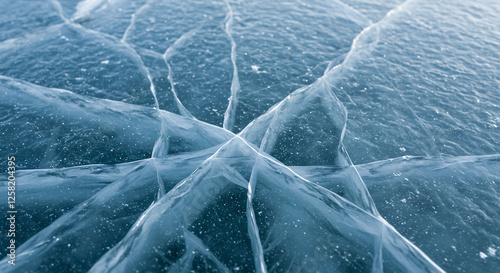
252, 136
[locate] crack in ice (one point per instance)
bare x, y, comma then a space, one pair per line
354, 45
85, 7
169, 52
229, 115
253, 229
132, 20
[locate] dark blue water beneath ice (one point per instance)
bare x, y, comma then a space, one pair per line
252, 136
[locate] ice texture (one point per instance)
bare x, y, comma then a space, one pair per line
252, 136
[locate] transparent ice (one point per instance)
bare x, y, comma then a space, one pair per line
252, 136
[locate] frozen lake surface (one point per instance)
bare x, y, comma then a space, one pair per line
252, 136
